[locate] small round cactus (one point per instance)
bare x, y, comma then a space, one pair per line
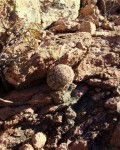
60, 77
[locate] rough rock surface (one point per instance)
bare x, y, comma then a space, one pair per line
33, 64
38, 140
26, 147
88, 27
46, 12
115, 141
86, 114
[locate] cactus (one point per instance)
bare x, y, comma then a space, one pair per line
60, 77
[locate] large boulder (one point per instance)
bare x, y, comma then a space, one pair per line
46, 12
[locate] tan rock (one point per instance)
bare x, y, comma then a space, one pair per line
116, 136
2, 147
112, 104
102, 33
26, 147
78, 145
88, 27
118, 107
101, 18
39, 140
117, 91
29, 11
46, 12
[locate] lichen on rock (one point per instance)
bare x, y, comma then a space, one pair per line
46, 12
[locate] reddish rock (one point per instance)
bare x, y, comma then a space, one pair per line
20, 114
89, 10
14, 137
101, 18
88, 27
39, 100
78, 145
85, 110
116, 136
19, 97
98, 66
32, 65
107, 26
62, 146
52, 108
6, 113
117, 21
26, 147
102, 33
63, 26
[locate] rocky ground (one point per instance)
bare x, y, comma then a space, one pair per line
73, 107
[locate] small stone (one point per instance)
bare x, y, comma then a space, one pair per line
101, 18
39, 140
60, 77
88, 27
26, 147
35, 11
